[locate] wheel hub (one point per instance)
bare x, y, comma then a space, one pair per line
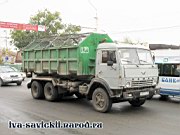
49, 91
100, 101
35, 89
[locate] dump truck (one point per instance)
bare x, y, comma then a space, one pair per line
90, 66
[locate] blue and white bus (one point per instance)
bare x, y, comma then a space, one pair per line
168, 61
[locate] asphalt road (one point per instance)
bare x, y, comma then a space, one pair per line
155, 117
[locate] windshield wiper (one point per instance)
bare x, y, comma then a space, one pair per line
143, 61
126, 60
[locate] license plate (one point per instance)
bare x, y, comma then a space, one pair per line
144, 93
14, 79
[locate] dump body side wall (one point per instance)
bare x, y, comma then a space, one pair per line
70, 60
87, 52
53, 60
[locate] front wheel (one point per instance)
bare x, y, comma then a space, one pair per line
150, 97
1, 82
19, 83
101, 100
50, 92
137, 102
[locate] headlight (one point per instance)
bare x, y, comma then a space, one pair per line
4, 77
23, 74
128, 84
20, 76
154, 82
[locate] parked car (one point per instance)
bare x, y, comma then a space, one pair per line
10, 75
22, 73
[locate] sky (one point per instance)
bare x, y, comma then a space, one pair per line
152, 21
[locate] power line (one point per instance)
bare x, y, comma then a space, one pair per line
147, 29
96, 18
84, 27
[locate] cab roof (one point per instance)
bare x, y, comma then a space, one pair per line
120, 45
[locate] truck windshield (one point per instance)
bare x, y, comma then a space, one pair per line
144, 56
135, 56
128, 56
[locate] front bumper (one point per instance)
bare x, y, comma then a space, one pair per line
11, 80
143, 93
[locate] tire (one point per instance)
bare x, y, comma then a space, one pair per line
19, 83
50, 92
101, 100
164, 97
137, 102
150, 97
37, 90
79, 95
69, 94
1, 82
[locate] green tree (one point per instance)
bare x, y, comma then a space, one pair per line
54, 26
22, 38
127, 40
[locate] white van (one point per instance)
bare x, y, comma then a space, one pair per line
168, 61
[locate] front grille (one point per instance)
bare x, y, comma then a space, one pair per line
14, 76
142, 83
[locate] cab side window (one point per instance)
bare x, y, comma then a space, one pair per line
108, 56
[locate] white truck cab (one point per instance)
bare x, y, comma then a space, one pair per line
128, 71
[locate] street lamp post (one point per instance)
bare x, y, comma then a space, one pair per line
96, 17
6, 38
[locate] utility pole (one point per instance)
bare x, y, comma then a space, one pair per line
6, 38
96, 17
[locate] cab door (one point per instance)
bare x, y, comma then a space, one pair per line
109, 73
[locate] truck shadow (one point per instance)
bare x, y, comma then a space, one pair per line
73, 100
121, 108
128, 110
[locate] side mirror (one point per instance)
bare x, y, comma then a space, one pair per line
109, 63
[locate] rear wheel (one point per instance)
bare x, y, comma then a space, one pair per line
50, 92
137, 102
101, 100
37, 90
